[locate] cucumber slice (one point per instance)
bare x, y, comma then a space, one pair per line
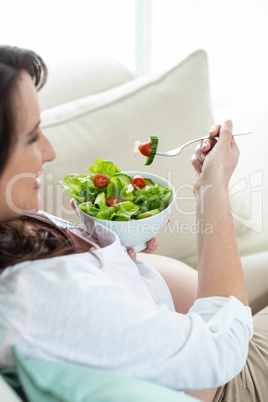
149, 182
154, 141
167, 198
124, 177
100, 199
147, 214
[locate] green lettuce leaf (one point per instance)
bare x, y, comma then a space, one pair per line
124, 210
151, 198
106, 167
80, 187
89, 208
119, 189
105, 212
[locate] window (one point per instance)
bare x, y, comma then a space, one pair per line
63, 29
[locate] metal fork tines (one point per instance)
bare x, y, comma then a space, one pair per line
177, 151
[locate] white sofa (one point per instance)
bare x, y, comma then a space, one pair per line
99, 109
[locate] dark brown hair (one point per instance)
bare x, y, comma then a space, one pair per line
16, 242
13, 61
21, 242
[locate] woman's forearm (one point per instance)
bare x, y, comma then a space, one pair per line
219, 266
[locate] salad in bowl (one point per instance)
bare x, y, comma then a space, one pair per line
135, 205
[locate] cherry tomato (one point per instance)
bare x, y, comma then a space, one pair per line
100, 180
112, 200
138, 181
146, 148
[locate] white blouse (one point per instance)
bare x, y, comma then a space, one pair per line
103, 310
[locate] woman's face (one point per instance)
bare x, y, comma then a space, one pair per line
19, 182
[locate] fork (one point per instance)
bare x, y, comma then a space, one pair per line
177, 151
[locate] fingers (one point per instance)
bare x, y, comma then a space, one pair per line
204, 147
226, 137
207, 144
132, 254
226, 132
215, 130
196, 163
199, 153
151, 246
73, 207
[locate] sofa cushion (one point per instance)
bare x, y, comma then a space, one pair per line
77, 78
46, 381
174, 106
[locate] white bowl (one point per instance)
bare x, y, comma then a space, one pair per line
136, 233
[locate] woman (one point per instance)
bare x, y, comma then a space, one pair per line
66, 296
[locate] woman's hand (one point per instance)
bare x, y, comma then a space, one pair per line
151, 248
151, 245
214, 161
